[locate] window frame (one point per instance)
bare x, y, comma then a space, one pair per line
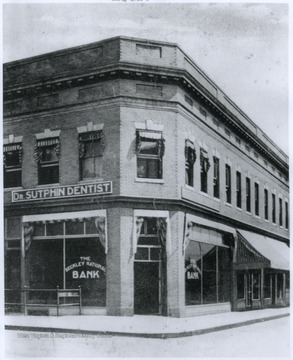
238, 190
273, 208
148, 158
228, 184
266, 204
15, 169
216, 177
248, 194
256, 198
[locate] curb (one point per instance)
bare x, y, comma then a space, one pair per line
146, 335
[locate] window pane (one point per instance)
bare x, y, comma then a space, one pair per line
74, 227
209, 273
146, 240
224, 274
93, 148
48, 174
142, 254
149, 147
39, 229
240, 286
12, 177
153, 168
193, 274
55, 228
44, 265
49, 154
141, 168
13, 228
91, 227
151, 226
12, 158
256, 286
267, 285
155, 253
90, 274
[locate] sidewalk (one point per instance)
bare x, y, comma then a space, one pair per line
140, 325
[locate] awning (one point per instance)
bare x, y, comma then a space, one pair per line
277, 252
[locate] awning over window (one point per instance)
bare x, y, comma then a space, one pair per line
150, 135
276, 252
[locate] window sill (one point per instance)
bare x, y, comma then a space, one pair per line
238, 208
152, 181
228, 204
13, 188
47, 185
88, 181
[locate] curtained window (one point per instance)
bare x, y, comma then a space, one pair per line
216, 177
190, 157
150, 151
47, 154
12, 160
91, 147
204, 168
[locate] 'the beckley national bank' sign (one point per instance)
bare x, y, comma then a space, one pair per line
58, 192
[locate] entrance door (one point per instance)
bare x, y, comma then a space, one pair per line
147, 288
248, 289
149, 271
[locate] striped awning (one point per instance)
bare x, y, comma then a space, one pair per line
150, 135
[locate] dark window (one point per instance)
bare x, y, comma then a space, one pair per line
267, 285
204, 168
266, 203
190, 157
280, 212
12, 165
286, 215
256, 199
274, 208
228, 183
256, 286
48, 166
91, 147
240, 286
238, 189
216, 177
150, 151
248, 195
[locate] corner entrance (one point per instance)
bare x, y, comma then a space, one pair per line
149, 271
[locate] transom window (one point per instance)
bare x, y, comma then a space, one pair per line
150, 152
12, 159
91, 147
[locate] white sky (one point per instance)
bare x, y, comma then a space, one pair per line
242, 47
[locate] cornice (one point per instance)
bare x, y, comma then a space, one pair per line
148, 73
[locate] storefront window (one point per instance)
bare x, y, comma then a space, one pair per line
256, 286
240, 286
74, 257
207, 275
267, 285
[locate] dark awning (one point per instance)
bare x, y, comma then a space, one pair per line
276, 252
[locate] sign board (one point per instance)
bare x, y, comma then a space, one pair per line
68, 293
59, 192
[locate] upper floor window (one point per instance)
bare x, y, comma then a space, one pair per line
190, 157
12, 160
274, 208
228, 183
248, 195
150, 149
286, 215
238, 189
204, 168
216, 177
280, 212
256, 199
266, 204
47, 152
91, 147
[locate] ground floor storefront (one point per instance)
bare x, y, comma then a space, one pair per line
125, 261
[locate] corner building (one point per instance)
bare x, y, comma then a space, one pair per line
130, 174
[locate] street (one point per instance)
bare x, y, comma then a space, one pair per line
267, 339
